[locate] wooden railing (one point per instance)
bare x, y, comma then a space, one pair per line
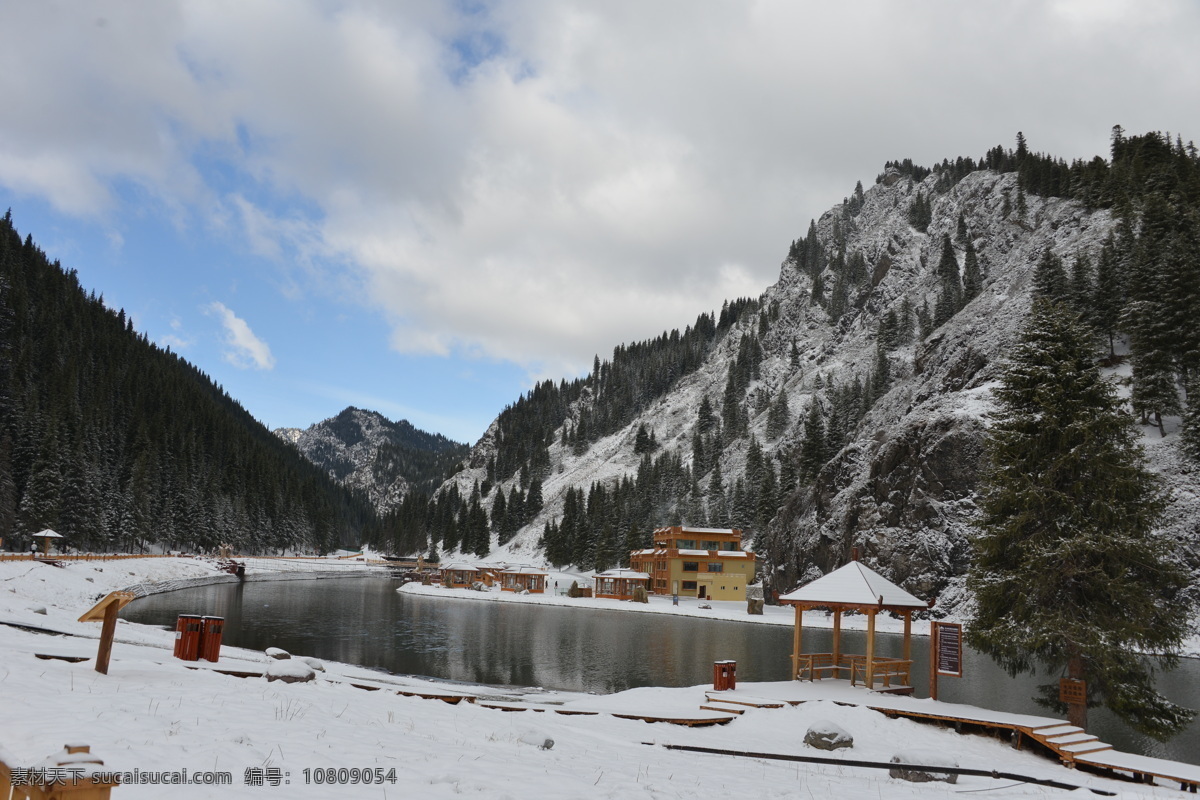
815, 666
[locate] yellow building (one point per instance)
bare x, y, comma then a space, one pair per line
705, 563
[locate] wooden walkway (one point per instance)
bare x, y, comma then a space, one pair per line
1072, 746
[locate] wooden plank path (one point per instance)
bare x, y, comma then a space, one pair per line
1071, 745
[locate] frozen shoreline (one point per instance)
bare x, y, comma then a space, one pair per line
155, 713
721, 610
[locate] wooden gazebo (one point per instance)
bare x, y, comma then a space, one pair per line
853, 587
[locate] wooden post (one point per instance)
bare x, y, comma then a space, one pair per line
933, 654
907, 636
106, 610
837, 636
1076, 712
796, 638
871, 648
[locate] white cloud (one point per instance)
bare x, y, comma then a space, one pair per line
538, 182
245, 350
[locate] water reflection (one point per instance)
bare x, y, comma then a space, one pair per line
366, 622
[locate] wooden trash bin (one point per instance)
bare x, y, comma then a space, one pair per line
724, 675
188, 630
210, 638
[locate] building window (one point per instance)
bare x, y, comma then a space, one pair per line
685, 544
691, 566
689, 586
716, 566
729, 546
711, 546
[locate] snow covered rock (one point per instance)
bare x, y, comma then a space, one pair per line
277, 654
826, 735
314, 663
920, 766
291, 670
536, 739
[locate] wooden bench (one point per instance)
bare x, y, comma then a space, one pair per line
817, 666
885, 669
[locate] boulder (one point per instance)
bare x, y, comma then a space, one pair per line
314, 663
291, 670
826, 735
922, 766
278, 654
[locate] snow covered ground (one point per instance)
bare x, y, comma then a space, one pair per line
151, 713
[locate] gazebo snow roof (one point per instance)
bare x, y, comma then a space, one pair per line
48, 534
853, 586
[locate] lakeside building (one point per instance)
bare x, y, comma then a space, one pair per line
619, 584
524, 579
705, 563
459, 576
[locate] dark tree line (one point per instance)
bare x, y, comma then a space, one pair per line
116, 443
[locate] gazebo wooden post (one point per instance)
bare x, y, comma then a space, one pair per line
796, 637
837, 637
907, 636
870, 648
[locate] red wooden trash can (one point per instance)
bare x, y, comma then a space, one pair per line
187, 637
724, 675
210, 640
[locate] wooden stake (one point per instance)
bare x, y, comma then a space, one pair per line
107, 632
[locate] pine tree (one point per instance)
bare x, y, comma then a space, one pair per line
1068, 573
972, 275
812, 446
950, 296
1049, 277
779, 416
1108, 300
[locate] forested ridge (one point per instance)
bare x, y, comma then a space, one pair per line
116, 443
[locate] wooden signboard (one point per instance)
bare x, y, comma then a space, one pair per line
1072, 691
949, 649
106, 611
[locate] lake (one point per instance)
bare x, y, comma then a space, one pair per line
365, 621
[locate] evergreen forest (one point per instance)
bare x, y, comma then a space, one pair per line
117, 444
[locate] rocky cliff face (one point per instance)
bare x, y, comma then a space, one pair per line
902, 490
368, 452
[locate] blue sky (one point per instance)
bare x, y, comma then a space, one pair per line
423, 207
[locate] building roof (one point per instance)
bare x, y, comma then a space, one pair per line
853, 585
687, 529
624, 573
460, 567
48, 534
525, 571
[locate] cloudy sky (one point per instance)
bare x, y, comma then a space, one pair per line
422, 207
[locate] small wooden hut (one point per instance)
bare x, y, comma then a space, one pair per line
618, 584
524, 579
853, 587
459, 576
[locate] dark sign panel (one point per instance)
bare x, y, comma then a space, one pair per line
949, 649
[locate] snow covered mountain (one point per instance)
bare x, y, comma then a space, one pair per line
366, 451
900, 484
